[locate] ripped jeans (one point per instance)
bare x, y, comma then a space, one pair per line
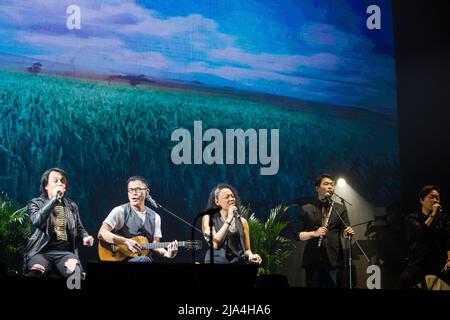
52, 260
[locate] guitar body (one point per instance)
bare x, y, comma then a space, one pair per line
114, 252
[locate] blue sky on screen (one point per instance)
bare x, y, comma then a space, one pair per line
309, 50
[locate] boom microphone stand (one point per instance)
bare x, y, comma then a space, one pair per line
193, 228
209, 212
350, 237
158, 206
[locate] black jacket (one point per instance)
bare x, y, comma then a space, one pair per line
39, 211
310, 219
428, 245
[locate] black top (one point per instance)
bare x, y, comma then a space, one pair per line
59, 231
232, 248
58, 245
310, 219
428, 245
39, 210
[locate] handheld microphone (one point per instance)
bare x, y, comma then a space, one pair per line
440, 209
59, 195
236, 214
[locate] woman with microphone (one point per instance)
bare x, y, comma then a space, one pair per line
428, 240
55, 229
231, 235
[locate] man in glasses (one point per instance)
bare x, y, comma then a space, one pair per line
135, 219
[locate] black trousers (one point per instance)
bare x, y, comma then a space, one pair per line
53, 260
323, 276
414, 274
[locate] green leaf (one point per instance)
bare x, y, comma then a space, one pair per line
266, 238
14, 232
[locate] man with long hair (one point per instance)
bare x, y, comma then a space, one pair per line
55, 228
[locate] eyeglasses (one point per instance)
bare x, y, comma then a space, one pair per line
138, 190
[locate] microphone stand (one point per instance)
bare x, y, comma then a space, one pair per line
362, 223
193, 228
208, 237
350, 237
342, 199
158, 206
350, 262
211, 248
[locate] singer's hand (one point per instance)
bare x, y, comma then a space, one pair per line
88, 241
58, 189
447, 266
322, 231
435, 209
231, 211
255, 258
133, 246
348, 231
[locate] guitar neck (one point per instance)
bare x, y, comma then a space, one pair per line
158, 245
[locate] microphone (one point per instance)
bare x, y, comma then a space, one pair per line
327, 198
440, 209
236, 214
328, 194
152, 201
59, 195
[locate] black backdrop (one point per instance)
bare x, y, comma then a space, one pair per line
421, 31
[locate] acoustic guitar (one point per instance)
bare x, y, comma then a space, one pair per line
120, 252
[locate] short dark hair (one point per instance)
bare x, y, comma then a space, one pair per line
138, 178
426, 191
44, 180
321, 177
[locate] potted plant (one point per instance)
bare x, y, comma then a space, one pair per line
267, 238
14, 232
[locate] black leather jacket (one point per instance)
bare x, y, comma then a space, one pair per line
39, 211
428, 245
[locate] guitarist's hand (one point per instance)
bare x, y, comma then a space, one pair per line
133, 246
172, 250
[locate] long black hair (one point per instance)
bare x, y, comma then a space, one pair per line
44, 180
427, 190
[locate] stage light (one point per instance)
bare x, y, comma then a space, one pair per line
341, 182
